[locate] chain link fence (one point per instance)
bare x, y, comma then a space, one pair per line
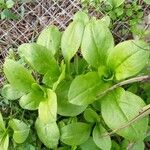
36, 15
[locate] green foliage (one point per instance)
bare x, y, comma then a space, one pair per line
75, 101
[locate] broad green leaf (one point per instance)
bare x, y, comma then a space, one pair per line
75, 133
21, 130
50, 38
40, 58
47, 133
32, 100
48, 108
18, 76
116, 3
64, 107
85, 88
71, 39
103, 143
2, 125
89, 145
81, 17
122, 106
96, 43
4, 142
106, 19
124, 58
91, 116
11, 93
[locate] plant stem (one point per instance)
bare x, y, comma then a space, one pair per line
129, 81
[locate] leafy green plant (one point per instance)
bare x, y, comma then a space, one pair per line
73, 83
129, 14
5, 11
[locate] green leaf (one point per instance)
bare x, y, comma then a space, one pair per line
71, 39
89, 145
4, 142
2, 125
48, 108
10, 3
18, 76
125, 57
103, 143
64, 107
91, 116
11, 93
50, 38
40, 58
47, 133
32, 100
118, 108
84, 88
75, 133
116, 3
96, 43
61, 77
106, 19
81, 17
21, 130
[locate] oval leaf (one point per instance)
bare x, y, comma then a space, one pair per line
71, 39
75, 133
40, 58
125, 57
50, 38
97, 40
85, 88
11, 93
122, 106
18, 76
47, 133
21, 130
103, 143
4, 142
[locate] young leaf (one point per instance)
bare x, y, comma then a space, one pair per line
103, 143
81, 17
48, 108
47, 133
91, 116
84, 88
71, 39
89, 145
21, 130
116, 3
64, 107
4, 142
18, 76
75, 133
122, 106
125, 57
50, 38
97, 40
40, 58
11, 93
32, 100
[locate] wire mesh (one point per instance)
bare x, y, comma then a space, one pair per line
36, 15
